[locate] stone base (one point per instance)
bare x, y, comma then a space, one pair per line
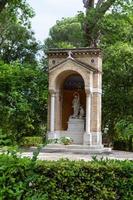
77, 149
75, 125
77, 137
89, 139
93, 139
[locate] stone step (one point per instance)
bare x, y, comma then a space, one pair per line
79, 149
73, 146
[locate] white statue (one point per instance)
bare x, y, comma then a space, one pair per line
76, 105
81, 112
70, 54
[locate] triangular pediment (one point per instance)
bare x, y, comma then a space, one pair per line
73, 62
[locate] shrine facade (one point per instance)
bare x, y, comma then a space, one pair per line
75, 89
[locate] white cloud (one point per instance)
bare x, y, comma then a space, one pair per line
48, 11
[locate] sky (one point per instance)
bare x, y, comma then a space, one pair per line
49, 11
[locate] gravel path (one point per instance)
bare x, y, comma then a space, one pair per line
119, 155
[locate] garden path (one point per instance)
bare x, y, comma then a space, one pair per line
119, 155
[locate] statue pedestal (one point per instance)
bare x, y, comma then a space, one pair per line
76, 130
76, 125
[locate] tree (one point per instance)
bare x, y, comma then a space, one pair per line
17, 41
117, 85
124, 130
67, 33
23, 100
16, 5
92, 19
82, 30
117, 45
23, 83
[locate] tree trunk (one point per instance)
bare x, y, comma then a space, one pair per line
91, 28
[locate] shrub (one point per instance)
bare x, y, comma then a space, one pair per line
124, 130
23, 100
32, 141
123, 145
62, 140
66, 140
4, 139
74, 180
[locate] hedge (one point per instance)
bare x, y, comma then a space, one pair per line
31, 141
26, 179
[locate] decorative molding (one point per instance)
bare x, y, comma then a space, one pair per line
90, 90
97, 90
52, 92
84, 65
76, 51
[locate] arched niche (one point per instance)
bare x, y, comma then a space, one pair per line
72, 84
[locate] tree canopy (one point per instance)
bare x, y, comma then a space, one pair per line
23, 82
17, 41
20, 7
66, 33
92, 18
23, 97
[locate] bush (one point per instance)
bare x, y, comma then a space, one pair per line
23, 101
74, 180
32, 141
4, 139
124, 130
122, 144
66, 140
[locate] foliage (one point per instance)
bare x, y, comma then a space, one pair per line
23, 100
4, 139
31, 141
17, 7
17, 41
28, 179
124, 128
118, 71
67, 33
23, 83
53, 141
62, 140
117, 45
91, 20
124, 131
66, 140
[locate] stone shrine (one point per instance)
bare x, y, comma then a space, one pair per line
75, 89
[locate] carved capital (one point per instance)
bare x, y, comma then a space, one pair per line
97, 91
52, 92
88, 91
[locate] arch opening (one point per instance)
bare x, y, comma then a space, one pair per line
73, 84
68, 84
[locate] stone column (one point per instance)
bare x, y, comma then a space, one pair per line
58, 107
88, 111
87, 135
52, 113
88, 89
96, 110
